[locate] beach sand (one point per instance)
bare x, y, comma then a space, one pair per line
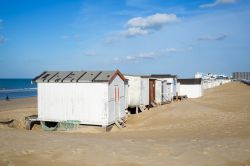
212, 130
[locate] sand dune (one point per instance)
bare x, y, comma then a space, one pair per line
212, 130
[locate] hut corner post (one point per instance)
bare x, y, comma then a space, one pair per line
177, 97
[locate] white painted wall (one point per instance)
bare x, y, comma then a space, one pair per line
144, 91
90, 103
192, 91
173, 85
138, 91
116, 106
134, 90
158, 91
207, 84
126, 96
166, 92
86, 102
178, 88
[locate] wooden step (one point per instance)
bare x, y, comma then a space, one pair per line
153, 104
120, 123
143, 108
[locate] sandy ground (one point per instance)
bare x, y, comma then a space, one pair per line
212, 130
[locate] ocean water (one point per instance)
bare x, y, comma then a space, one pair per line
17, 88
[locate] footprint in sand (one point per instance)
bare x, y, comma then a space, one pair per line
130, 140
27, 152
77, 151
8, 162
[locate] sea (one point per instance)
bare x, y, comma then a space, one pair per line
17, 88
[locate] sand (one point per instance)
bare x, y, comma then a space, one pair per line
212, 130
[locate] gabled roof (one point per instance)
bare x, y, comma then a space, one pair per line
77, 76
189, 81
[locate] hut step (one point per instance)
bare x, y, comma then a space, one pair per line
120, 123
153, 104
143, 108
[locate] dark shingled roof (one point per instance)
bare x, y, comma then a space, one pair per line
77, 76
163, 76
189, 81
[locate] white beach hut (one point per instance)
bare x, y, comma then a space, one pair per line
192, 88
137, 91
169, 85
90, 97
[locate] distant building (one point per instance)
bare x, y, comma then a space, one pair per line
241, 75
210, 76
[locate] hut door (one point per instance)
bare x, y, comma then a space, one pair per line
169, 92
151, 91
117, 101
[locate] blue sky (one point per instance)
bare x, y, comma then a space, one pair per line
136, 36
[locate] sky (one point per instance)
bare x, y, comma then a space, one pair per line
135, 36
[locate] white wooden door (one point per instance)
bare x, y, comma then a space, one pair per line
168, 92
117, 101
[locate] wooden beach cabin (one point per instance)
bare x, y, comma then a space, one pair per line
90, 97
191, 87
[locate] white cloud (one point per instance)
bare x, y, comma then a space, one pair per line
211, 38
134, 31
146, 55
156, 20
218, 2
143, 25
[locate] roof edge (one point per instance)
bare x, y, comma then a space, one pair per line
117, 72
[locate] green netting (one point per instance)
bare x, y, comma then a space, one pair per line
62, 126
68, 125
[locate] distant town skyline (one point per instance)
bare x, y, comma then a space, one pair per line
135, 36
